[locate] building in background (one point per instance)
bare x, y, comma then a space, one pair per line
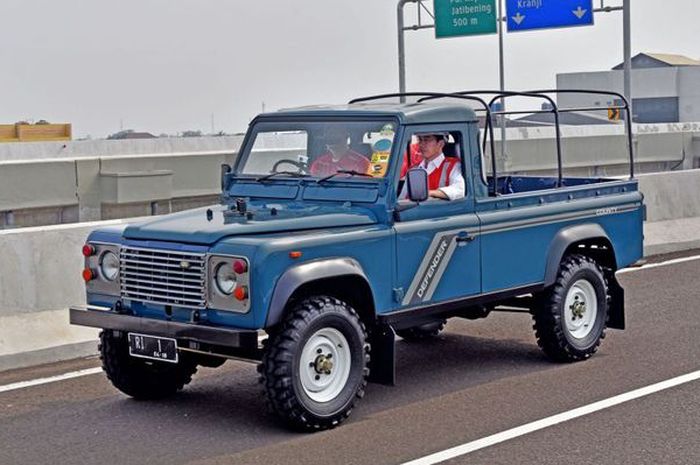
38, 132
130, 134
665, 88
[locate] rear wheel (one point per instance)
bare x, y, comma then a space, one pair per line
422, 332
572, 315
139, 378
315, 365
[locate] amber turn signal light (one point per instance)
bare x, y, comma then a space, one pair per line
241, 293
295, 254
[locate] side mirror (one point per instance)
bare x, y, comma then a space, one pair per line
225, 170
417, 184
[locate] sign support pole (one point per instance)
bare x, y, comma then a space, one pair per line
627, 50
502, 78
501, 72
402, 49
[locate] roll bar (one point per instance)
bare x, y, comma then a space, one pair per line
624, 106
473, 95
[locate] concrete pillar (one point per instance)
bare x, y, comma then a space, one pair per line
88, 189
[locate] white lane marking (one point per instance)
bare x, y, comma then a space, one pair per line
656, 265
553, 420
51, 379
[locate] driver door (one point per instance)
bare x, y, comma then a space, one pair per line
437, 241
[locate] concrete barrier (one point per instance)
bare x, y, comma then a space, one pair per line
671, 196
39, 279
92, 189
109, 148
99, 180
600, 150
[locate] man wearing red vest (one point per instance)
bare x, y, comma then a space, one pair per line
338, 156
445, 180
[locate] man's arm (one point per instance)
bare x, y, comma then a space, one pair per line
455, 189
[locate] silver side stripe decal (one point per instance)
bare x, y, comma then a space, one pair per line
432, 268
537, 221
443, 246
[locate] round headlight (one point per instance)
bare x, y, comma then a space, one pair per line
225, 278
109, 265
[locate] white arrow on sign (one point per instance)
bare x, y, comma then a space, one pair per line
518, 18
580, 12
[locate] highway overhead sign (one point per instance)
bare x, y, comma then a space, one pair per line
455, 18
525, 15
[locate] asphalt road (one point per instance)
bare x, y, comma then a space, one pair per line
477, 379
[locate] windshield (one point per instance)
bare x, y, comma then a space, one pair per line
330, 149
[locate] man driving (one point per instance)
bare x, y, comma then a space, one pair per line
445, 180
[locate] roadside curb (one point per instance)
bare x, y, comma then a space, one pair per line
58, 353
661, 249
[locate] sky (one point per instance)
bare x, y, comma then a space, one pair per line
167, 66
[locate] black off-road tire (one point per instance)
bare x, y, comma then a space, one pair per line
140, 378
422, 332
281, 364
551, 331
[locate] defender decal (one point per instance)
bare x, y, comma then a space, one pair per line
431, 269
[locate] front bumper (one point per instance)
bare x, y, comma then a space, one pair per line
106, 318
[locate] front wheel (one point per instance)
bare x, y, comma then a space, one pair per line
315, 366
572, 315
139, 378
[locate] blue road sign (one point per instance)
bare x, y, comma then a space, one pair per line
525, 15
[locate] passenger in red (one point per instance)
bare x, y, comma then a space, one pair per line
445, 180
411, 158
338, 156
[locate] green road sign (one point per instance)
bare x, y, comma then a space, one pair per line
464, 17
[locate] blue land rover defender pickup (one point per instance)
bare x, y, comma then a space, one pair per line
311, 265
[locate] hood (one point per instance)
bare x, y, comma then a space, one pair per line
200, 227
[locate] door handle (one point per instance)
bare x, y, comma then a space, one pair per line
464, 238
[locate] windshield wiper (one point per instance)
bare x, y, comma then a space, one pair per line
350, 172
294, 174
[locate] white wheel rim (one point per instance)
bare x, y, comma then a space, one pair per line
580, 309
324, 366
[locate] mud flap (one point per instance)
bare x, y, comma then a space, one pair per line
616, 317
382, 367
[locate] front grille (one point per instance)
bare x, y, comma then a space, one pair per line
163, 277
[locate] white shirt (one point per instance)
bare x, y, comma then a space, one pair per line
455, 188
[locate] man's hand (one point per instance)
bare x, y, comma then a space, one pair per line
438, 194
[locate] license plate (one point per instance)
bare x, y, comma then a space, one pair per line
153, 347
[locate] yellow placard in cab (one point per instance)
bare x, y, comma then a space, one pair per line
381, 150
378, 164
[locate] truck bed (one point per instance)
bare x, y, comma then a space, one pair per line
519, 225
517, 184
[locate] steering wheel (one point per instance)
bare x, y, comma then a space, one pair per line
299, 165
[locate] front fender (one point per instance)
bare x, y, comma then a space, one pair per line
298, 275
